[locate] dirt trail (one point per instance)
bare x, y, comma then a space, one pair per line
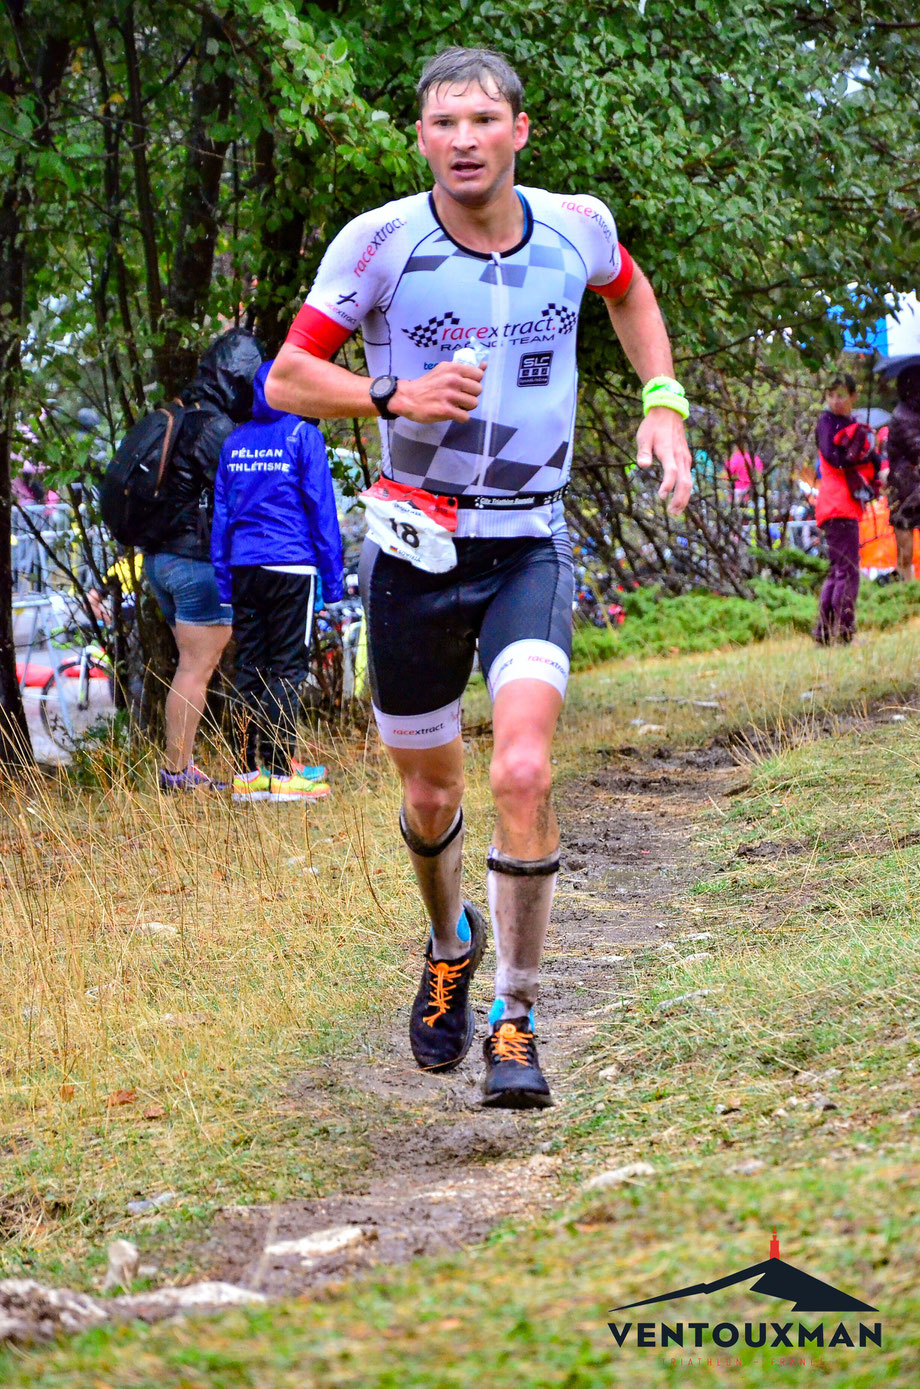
446, 1171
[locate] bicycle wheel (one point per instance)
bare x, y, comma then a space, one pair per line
71, 704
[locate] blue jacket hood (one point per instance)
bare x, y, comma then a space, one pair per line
262, 412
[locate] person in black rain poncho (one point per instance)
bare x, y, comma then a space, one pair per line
178, 566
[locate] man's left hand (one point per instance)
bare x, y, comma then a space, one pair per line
661, 436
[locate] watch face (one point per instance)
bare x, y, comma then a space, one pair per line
383, 386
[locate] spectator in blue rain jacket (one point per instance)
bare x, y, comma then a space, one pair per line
275, 528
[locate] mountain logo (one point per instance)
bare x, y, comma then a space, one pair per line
773, 1278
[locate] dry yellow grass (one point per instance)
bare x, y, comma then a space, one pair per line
170, 963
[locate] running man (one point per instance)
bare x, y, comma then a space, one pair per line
477, 261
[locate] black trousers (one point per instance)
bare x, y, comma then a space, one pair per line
837, 604
272, 624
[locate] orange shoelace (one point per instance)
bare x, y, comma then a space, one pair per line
510, 1044
443, 978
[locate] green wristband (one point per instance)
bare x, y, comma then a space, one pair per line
668, 401
662, 383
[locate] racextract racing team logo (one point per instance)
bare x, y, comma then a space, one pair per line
447, 331
773, 1277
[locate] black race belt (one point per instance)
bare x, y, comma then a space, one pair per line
524, 501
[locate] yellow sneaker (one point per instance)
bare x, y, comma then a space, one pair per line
296, 788
251, 786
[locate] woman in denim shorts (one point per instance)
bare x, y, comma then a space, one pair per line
179, 564
186, 591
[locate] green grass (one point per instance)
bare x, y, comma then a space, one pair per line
532, 1310
806, 987
701, 621
784, 686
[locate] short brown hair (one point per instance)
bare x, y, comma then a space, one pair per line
455, 66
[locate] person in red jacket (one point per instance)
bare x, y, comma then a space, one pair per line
850, 477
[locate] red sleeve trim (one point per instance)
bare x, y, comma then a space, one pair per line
618, 287
317, 334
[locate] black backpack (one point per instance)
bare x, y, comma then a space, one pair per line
131, 493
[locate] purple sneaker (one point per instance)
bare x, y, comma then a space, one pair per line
191, 779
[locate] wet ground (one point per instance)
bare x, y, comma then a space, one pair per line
446, 1171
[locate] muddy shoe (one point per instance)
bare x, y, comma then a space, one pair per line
513, 1078
442, 1024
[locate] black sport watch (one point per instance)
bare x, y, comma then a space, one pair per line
383, 389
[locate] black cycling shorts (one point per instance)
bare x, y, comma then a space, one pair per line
512, 598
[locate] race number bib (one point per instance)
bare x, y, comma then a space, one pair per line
412, 524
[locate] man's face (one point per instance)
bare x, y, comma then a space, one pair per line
839, 401
470, 138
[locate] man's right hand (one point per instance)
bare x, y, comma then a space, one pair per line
448, 392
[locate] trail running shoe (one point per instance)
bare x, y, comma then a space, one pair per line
309, 773
442, 1024
513, 1078
191, 779
296, 788
251, 786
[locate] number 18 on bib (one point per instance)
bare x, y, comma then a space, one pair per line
412, 524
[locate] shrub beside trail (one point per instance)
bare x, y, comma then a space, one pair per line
660, 625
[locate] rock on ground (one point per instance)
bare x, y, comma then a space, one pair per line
30, 1312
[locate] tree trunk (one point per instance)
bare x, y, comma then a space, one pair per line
186, 300
197, 233
15, 744
152, 665
113, 126
40, 75
282, 238
145, 203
